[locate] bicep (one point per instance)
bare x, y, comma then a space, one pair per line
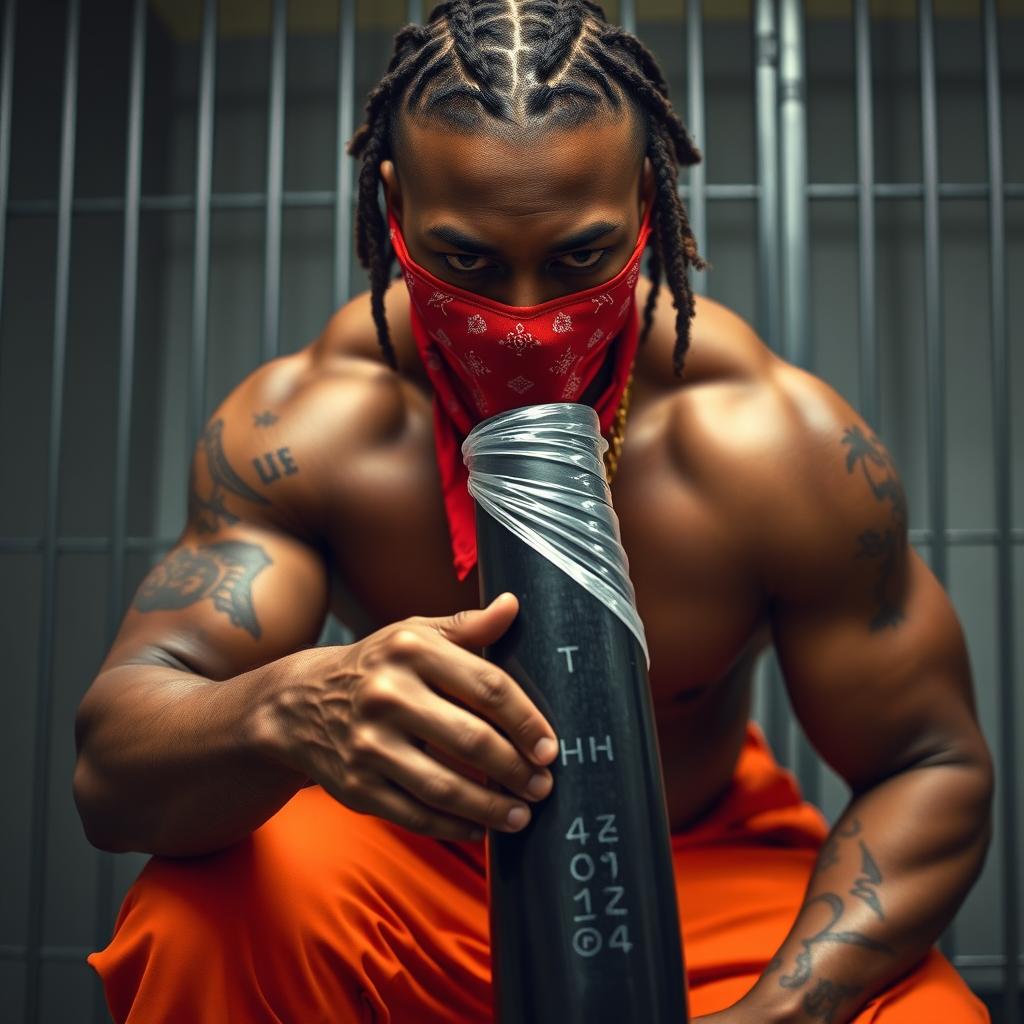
248, 581
224, 603
869, 643
243, 585
874, 698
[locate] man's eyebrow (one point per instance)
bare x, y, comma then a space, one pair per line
453, 236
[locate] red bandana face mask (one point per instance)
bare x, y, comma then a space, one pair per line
484, 358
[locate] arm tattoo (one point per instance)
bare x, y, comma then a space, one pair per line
224, 479
830, 850
264, 419
824, 999
802, 972
223, 572
829, 855
870, 876
270, 464
822, 1002
888, 546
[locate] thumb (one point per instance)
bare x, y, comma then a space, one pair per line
478, 627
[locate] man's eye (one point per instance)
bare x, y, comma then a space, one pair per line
463, 266
581, 259
584, 259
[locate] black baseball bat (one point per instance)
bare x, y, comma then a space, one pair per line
583, 918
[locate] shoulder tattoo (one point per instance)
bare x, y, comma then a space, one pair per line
886, 547
207, 512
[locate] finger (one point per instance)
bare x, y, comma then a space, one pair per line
472, 742
481, 687
398, 710
477, 627
384, 799
436, 786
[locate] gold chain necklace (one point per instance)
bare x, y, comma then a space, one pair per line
618, 431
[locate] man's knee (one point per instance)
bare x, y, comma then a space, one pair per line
932, 991
250, 931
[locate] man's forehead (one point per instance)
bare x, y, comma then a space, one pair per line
597, 162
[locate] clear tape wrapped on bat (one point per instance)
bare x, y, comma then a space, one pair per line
570, 522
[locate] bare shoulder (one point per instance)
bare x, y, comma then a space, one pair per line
724, 348
835, 511
782, 457
729, 379
352, 333
282, 441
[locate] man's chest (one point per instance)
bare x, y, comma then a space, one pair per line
391, 555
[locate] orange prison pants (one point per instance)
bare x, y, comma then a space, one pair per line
325, 915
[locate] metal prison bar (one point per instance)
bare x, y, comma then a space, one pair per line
782, 194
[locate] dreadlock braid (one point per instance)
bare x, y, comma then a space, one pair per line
640, 53
463, 29
564, 29
673, 225
370, 141
522, 67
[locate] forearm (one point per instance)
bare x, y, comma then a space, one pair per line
168, 762
891, 876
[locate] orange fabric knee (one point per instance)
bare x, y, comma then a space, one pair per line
328, 915
932, 991
737, 905
321, 915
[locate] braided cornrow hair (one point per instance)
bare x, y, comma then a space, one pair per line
460, 68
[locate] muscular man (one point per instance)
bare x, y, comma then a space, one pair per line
314, 811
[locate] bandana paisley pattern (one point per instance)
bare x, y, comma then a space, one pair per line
484, 358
